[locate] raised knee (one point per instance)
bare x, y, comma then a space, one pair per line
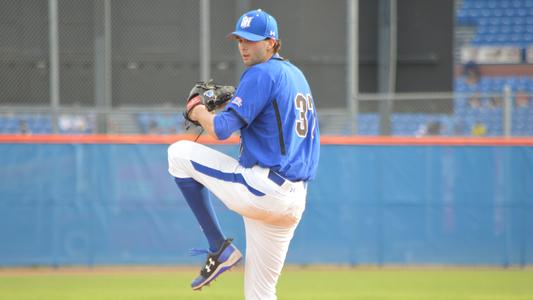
179, 149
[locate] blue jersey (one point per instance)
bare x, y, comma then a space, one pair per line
274, 101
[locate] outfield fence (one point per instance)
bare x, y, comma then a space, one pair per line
110, 200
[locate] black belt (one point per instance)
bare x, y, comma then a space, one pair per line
276, 178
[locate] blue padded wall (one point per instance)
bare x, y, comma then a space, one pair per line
93, 204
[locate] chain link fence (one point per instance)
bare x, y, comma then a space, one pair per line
124, 66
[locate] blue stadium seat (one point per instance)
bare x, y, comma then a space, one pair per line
485, 13
530, 84
492, 39
473, 13
505, 29
528, 39
458, 126
504, 20
462, 18
511, 80
368, 124
508, 12
477, 39
518, 4
515, 39
498, 81
10, 125
485, 87
411, 124
461, 88
522, 121
482, 30
496, 87
525, 12
485, 21
144, 120
41, 125
164, 123
3, 123
36, 124
460, 111
504, 4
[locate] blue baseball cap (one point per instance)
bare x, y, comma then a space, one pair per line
256, 25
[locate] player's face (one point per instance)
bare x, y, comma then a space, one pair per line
253, 53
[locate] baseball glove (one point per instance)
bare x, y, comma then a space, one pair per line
208, 93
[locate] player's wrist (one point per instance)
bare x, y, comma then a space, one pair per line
196, 111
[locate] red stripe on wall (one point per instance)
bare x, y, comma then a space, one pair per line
109, 139
326, 140
444, 141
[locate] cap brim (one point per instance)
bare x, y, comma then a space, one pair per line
247, 36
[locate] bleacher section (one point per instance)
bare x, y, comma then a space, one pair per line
478, 110
42, 124
25, 124
482, 102
498, 21
503, 30
477, 105
158, 123
503, 34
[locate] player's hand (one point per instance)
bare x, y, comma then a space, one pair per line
209, 95
196, 110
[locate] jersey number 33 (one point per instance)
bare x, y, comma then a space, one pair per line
303, 105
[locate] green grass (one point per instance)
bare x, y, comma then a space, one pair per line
311, 283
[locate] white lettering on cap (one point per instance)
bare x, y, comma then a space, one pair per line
246, 21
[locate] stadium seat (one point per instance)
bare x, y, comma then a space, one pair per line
160, 123
9, 124
368, 124
465, 116
499, 22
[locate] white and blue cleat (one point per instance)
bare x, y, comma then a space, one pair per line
217, 263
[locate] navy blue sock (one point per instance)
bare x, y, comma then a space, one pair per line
197, 197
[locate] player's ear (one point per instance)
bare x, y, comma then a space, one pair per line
277, 46
271, 43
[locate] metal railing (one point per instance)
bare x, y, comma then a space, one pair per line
412, 114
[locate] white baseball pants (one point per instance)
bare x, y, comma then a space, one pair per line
271, 209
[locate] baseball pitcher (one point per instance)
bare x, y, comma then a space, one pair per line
274, 111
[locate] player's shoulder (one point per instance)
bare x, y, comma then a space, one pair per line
260, 71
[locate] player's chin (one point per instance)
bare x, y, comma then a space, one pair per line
245, 60
250, 62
